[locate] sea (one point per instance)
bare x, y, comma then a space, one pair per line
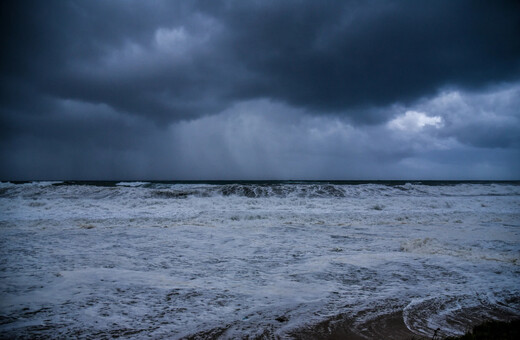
258, 259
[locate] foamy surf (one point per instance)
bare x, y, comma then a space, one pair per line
170, 260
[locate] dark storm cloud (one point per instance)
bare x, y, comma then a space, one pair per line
375, 53
258, 89
322, 56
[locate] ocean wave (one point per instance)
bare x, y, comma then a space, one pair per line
432, 246
167, 190
133, 184
194, 256
170, 194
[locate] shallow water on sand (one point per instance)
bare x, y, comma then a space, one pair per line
169, 260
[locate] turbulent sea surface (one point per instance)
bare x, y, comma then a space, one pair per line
251, 259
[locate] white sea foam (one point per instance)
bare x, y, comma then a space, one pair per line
169, 260
132, 184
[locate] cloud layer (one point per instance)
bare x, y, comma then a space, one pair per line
268, 89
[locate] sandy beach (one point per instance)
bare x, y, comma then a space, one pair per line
347, 327
389, 326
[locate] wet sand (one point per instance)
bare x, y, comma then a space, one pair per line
390, 326
349, 327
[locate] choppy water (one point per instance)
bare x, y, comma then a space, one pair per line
167, 260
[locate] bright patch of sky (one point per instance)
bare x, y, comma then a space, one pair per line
414, 121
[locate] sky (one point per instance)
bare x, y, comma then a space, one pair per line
207, 90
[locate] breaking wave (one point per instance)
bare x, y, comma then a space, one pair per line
169, 190
313, 190
188, 257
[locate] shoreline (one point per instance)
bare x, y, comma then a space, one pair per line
393, 326
389, 326
386, 326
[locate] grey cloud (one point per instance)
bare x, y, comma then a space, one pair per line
374, 54
262, 140
260, 89
329, 57
257, 139
464, 163
489, 119
490, 135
